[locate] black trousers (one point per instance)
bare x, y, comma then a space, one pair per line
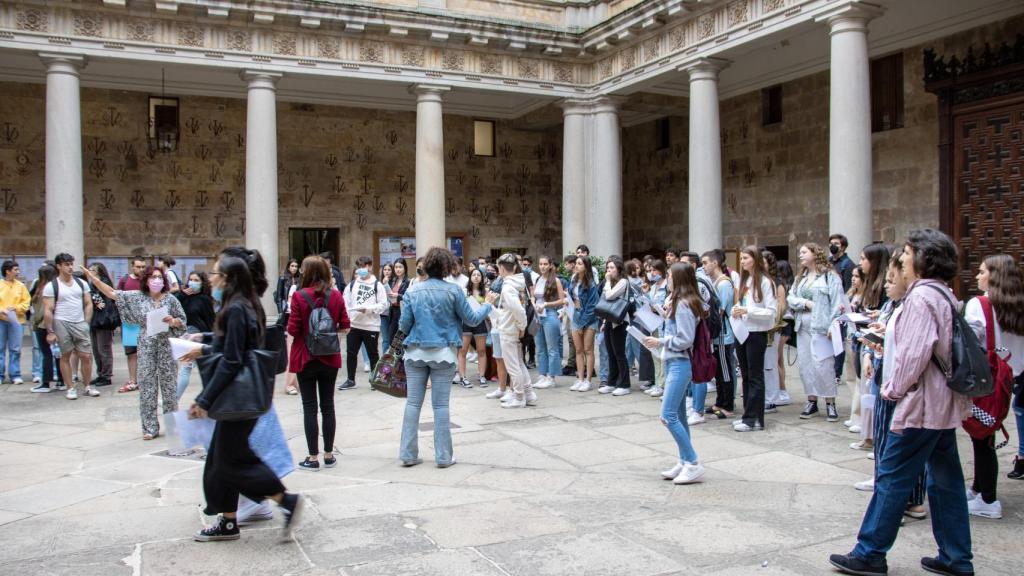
645, 372
529, 348
356, 338
618, 368
232, 468
103, 352
316, 381
751, 357
49, 362
393, 319
725, 376
986, 468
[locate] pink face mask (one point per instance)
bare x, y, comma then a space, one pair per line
156, 285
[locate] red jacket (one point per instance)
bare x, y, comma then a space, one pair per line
298, 323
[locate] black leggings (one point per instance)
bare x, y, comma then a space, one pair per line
751, 356
986, 468
725, 377
353, 341
618, 367
232, 468
318, 378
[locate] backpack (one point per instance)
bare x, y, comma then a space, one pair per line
321, 331
988, 412
714, 319
56, 288
970, 373
702, 358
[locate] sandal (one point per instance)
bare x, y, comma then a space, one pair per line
148, 437
291, 390
129, 386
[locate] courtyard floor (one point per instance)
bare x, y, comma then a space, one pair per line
568, 487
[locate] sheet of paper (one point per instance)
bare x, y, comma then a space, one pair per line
837, 339
739, 329
855, 318
646, 317
659, 310
155, 321
821, 347
636, 333
180, 347
191, 433
12, 316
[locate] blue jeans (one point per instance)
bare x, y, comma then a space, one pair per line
700, 394
10, 349
440, 374
632, 351
385, 335
602, 370
548, 339
906, 455
678, 374
1019, 413
185, 370
37, 356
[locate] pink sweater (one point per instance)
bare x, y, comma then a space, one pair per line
915, 382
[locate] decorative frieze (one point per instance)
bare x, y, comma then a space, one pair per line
454, 60
528, 68
190, 34
628, 58
490, 64
564, 72
706, 26
238, 40
284, 44
738, 12
677, 37
32, 19
652, 49
139, 29
772, 5
327, 48
88, 24
371, 52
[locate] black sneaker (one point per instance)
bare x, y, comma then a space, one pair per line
850, 564
934, 566
224, 529
292, 506
771, 409
831, 414
101, 382
810, 410
330, 461
311, 465
465, 383
347, 385
1016, 474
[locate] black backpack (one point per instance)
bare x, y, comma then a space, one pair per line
970, 374
321, 331
714, 318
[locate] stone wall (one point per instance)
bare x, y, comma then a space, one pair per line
352, 169
775, 178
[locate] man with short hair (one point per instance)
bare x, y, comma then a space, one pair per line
14, 304
166, 265
339, 278
671, 257
365, 300
725, 358
130, 332
67, 306
460, 280
837, 245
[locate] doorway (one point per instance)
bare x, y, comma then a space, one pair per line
304, 242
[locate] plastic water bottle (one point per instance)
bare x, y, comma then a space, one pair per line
55, 350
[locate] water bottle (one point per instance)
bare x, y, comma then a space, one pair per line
55, 350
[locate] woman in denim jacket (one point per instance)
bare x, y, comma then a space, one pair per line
816, 300
433, 312
584, 293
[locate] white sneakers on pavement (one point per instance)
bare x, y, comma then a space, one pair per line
694, 418
692, 472
621, 391
866, 486
606, 389
544, 382
495, 394
585, 386
978, 507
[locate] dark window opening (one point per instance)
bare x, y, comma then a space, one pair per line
887, 93
662, 134
771, 105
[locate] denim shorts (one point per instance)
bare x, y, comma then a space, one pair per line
592, 326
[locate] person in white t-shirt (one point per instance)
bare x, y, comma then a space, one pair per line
365, 299
67, 314
165, 264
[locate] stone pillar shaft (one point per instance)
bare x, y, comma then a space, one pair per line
605, 227
705, 158
261, 204
64, 203
574, 194
430, 197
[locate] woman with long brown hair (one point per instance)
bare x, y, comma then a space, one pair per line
548, 299
999, 278
585, 293
756, 308
683, 310
817, 300
874, 261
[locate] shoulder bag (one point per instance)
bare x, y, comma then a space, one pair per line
250, 394
389, 373
615, 311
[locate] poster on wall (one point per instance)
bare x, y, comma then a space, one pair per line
116, 266
392, 247
185, 265
29, 266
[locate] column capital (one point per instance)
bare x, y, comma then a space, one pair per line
63, 63
261, 78
704, 68
850, 16
606, 104
429, 92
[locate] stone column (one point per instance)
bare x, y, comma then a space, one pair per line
574, 174
605, 224
430, 228
64, 218
849, 162
705, 157
261, 206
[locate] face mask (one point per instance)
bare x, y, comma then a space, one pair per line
492, 275
195, 286
155, 285
218, 294
654, 277
363, 272
833, 249
527, 269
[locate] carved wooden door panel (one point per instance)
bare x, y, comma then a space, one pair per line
988, 193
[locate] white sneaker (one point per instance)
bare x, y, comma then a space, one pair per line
712, 387
606, 389
649, 388
971, 494
691, 473
693, 419
72, 394
855, 428
514, 403
575, 387
978, 507
862, 445
656, 391
91, 392
366, 367
19, 381
672, 472
848, 423
36, 380
508, 395
494, 394
544, 382
783, 399
584, 386
621, 391
866, 486
531, 398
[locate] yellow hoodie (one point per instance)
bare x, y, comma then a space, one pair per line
14, 295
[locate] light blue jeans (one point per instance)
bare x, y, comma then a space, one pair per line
440, 374
10, 349
548, 339
700, 394
185, 370
678, 375
602, 371
632, 351
385, 337
37, 357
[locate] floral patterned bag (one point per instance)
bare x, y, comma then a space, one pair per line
389, 373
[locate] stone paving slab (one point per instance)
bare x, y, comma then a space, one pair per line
474, 525
461, 562
56, 494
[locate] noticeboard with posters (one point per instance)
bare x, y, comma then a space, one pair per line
390, 246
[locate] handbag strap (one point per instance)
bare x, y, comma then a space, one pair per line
946, 370
990, 325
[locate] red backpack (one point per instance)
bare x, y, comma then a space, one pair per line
702, 358
988, 412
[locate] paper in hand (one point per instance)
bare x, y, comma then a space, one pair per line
180, 347
739, 329
646, 317
837, 339
155, 321
636, 333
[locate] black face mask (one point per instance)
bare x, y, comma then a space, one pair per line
833, 249
419, 271
492, 275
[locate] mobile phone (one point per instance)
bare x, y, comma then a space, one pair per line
868, 336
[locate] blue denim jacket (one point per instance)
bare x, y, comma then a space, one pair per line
433, 313
588, 297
